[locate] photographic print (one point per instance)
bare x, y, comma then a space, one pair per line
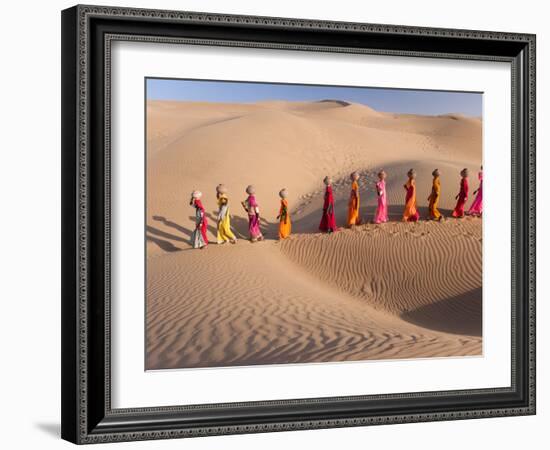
274, 204
291, 223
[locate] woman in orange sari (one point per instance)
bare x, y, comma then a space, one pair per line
353, 205
284, 216
434, 213
410, 214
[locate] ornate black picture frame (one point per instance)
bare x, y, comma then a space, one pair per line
87, 34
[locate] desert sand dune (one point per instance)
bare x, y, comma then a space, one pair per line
383, 264
247, 304
398, 290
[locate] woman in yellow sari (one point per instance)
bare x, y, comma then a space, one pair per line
224, 219
410, 214
353, 205
434, 213
285, 225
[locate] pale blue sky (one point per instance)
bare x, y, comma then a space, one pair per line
381, 99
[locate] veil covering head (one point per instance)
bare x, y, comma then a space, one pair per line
195, 196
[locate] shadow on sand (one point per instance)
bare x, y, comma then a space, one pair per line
167, 246
163, 234
175, 226
458, 315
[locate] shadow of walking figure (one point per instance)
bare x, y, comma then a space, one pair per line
239, 226
174, 225
167, 246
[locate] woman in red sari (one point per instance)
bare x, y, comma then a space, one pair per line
199, 239
462, 196
328, 221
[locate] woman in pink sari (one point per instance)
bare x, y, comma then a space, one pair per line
462, 196
199, 239
328, 221
477, 206
381, 215
251, 207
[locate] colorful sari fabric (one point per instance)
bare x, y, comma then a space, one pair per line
328, 221
410, 214
381, 214
434, 199
462, 197
198, 237
353, 205
477, 205
224, 220
253, 218
284, 220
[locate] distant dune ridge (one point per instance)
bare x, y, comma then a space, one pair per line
397, 290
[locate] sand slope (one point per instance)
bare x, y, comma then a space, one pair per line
386, 266
265, 310
398, 290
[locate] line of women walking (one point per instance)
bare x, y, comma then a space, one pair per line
199, 237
